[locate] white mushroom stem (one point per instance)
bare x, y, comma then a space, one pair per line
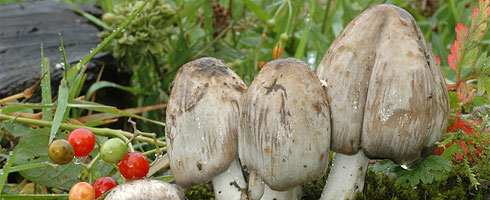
346, 176
230, 185
255, 186
292, 194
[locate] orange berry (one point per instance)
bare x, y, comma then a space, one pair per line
82, 191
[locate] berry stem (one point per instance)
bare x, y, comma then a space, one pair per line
124, 135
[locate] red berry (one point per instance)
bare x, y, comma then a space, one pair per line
102, 185
81, 191
82, 140
134, 166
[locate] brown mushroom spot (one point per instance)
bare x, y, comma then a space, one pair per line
267, 150
410, 54
274, 87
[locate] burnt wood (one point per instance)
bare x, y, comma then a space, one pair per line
24, 26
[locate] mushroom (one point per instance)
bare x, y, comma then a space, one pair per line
285, 128
386, 93
143, 189
202, 127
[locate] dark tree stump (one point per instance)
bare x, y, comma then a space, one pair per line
24, 26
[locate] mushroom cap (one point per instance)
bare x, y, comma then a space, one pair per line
285, 125
143, 189
202, 120
385, 88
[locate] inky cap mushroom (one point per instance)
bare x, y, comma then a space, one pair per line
285, 125
202, 121
385, 89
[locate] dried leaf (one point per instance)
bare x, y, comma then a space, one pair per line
465, 92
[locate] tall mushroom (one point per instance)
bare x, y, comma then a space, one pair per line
285, 128
386, 93
202, 127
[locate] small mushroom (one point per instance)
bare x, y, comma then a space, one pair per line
144, 189
386, 93
202, 127
285, 127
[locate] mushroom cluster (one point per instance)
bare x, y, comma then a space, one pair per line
386, 93
379, 94
284, 128
202, 127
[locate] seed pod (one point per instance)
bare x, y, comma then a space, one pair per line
145, 189
202, 123
285, 125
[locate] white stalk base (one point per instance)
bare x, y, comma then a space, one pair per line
230, 185
255, 186
346, 176
292, 194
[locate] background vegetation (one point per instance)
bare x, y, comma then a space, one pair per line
246, 34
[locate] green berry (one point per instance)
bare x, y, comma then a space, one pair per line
61, 152
113, 150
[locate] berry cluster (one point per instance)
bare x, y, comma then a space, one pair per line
80, 143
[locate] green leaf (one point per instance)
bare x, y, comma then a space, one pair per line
261, 14
46, 87
453, 100
486, 85
34, 149
481, 62
470, 58
16, 129
104, 84
6, 169
382, 166
63, 93
237, 10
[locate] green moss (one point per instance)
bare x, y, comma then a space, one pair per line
204, 191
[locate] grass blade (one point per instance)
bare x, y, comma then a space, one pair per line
20, 107
63, 93
302, 43
208, 20
113, 110
62, 48
46, 86
90, 17
6, 169
104, 84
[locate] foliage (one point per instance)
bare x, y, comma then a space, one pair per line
429, 169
